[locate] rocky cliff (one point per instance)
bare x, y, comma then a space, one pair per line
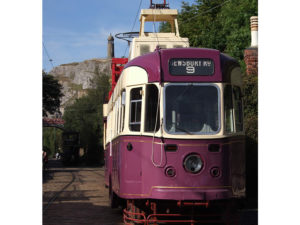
76, 78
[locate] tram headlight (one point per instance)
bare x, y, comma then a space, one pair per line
193, 163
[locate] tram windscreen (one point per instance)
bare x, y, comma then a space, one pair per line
191, 109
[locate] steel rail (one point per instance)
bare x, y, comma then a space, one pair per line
58, 193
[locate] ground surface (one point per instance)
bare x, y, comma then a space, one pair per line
77, 196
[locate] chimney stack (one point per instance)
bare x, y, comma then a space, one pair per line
254, 31
110, 47
251, 53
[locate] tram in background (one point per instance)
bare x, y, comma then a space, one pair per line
173, 131
70, 147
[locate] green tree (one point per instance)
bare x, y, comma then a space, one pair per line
199, 23
235, 22
218, 24
52, 92
52, 140
164, 27
250, 105
86, 117
251, 129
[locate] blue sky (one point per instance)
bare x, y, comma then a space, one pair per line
76, 30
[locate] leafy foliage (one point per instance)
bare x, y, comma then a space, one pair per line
52, 140
86, 117
251, 128
250, 105
235, 22
165, 27
52, 92
199, 22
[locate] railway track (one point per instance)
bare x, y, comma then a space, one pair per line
56, 195
76, 195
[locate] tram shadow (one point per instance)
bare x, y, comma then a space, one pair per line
53, 166
58, 164
66, 213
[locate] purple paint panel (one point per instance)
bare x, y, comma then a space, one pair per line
108, 165
141, 172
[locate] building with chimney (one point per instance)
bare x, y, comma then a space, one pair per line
251, 53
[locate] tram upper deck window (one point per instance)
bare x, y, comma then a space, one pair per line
162, 46
135, 109
144, 49
192, 109
151, 110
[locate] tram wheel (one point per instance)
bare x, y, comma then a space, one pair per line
113, 198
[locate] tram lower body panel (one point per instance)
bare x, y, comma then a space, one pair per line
146, 168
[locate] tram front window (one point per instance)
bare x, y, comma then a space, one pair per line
191, 109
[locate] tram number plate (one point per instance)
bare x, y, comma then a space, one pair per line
191, 67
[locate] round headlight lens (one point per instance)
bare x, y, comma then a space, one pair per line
193, 163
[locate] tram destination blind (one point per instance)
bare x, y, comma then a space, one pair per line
191, 67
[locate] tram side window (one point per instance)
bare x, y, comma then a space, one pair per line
123, 101
151, 108
117, 116
135, 109
233, 109
228, 105
108, 130
237, 94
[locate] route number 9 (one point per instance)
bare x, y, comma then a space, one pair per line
190, 69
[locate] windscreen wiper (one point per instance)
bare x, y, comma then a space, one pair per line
182, 129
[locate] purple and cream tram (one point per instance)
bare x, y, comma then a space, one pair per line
174, 138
